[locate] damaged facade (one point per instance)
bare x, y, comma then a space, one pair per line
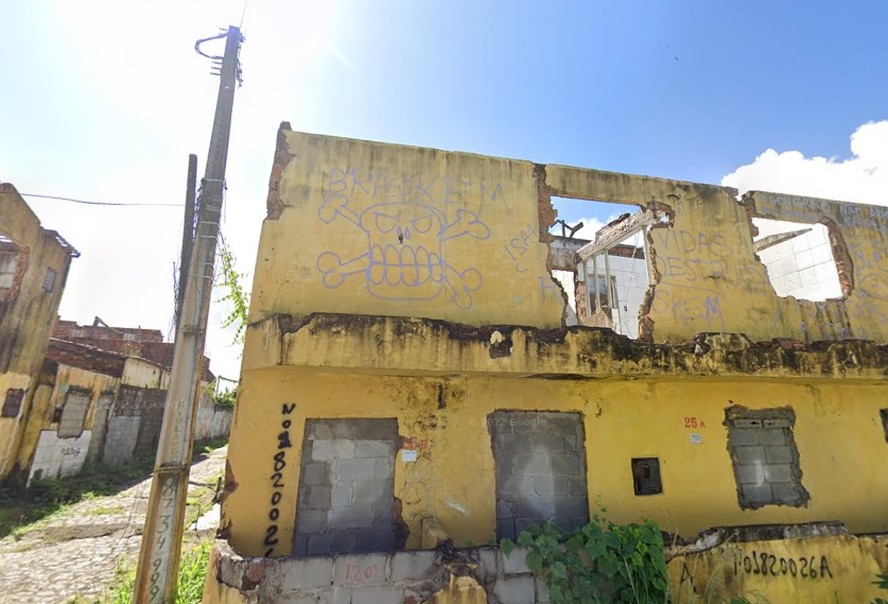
34, 265
99, 399
415, 376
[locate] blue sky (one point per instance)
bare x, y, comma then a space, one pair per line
104, 101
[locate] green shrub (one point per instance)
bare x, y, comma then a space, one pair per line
599, 562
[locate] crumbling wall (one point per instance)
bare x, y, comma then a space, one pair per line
478, 251
27, 311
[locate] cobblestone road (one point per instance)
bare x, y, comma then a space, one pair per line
73, 555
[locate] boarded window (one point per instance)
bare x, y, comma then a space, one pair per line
49, 280
540, 461
346, 487
73, 414
765, 458
12, 404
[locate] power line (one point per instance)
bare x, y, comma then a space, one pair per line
103, 203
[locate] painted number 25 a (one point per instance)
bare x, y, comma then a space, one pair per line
693, 422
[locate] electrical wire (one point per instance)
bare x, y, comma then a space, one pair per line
103, 203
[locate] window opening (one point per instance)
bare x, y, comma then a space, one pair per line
12, 404
765, 457
73, 414
49, 281
345, 501
9, 257
646, 476
611, 264
799, 259
540, 470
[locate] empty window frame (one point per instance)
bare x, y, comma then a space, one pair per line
540, 469
765, 457
799, 259
73, 413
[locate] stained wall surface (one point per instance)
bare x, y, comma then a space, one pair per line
414, 284
28, 307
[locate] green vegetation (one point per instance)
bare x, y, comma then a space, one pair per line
882, 583
599, 562
236, 294
21, 507
189, 585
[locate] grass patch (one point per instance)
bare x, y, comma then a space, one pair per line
205, 447
22, 507
103, 510
189, 585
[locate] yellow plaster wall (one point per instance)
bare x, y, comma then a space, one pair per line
28, 314
49, 397
845, 568
840, 441
708, 276
143, 374
341, 198
9, 426
331, 198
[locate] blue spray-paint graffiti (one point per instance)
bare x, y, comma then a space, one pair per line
405, 253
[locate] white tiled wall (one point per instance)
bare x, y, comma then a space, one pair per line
802, 267
56, 457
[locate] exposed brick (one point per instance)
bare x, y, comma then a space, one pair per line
515, 590
377, 594
750, 473
315, 474
360, 569
306, 573
413, 565
516, 562
748, 455
778, 473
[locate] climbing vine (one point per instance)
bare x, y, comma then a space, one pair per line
599, 562
235, 294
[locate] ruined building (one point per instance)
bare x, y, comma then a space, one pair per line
34, 265
99, 399
426, 364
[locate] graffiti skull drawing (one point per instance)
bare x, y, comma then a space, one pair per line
404, 258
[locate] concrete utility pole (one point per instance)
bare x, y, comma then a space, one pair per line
162, 538
187, 234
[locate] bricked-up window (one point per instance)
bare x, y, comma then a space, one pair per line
540, 464
646, 476
346, 499
49, 281
765, 458
73, 413
12, 404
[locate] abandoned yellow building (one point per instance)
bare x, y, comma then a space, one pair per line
99, 399
34, 265
415, 370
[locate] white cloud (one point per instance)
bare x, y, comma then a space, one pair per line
862, 178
